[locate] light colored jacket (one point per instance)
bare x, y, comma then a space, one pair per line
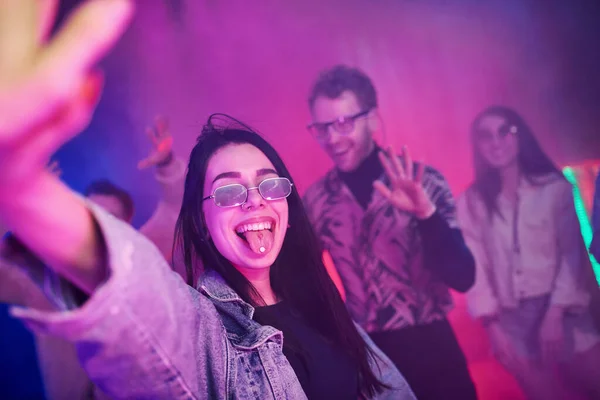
61, 373
145, 334
533, 250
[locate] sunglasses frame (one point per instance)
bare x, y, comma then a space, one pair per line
212, 196
503, 131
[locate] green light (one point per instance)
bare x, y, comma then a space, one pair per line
584, 221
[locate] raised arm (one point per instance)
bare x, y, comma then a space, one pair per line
424, 193
170, 174
140, 331
47, 95
131, 342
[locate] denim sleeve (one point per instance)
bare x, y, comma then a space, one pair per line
143, 333
387, 373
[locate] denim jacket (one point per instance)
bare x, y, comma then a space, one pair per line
145, 334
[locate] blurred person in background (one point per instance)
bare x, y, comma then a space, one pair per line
390, 228
533, 272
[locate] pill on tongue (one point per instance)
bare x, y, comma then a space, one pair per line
260, 241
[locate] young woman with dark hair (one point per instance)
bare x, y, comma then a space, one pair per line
533, 273
254, 233
264, 321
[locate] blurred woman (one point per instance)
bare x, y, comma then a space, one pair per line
533, 272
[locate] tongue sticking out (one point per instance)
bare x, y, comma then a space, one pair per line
260, 241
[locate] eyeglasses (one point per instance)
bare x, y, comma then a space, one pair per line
342, 125
504, 130
236, 194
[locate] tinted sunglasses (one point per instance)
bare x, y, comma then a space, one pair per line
484, 135
236, 194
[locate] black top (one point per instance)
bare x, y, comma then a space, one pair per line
444, 248
323, 369
360, 181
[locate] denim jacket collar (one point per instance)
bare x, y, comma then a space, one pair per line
213, 285
241, 329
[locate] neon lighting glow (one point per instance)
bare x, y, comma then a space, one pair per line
584, 221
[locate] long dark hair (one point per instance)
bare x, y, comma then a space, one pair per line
533, 162
298, 275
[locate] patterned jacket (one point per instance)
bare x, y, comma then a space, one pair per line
378, 252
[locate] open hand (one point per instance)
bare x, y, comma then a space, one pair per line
406, 190
162, 144
47, 89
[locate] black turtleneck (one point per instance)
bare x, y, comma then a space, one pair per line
360, 181
444, 248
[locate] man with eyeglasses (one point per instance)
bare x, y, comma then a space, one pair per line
390, 227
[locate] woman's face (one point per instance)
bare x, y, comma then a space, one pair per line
249, 235
496, 140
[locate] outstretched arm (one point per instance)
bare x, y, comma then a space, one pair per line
128, 338
47, 95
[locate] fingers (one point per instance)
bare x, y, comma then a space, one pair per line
408, 162
87, 36
145, 163
77, 114
33, 152
159, 133
18, 34
46, 15
383, 189
45, 82
165, 145
396, 164
396, 171
390, 169
419, 171
162, 126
